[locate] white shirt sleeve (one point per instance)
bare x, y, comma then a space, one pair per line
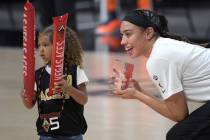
81, 76
35, 87
166, 76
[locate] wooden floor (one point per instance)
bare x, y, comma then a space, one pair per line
108, 117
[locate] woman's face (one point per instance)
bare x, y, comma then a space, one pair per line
45, 48
133, 39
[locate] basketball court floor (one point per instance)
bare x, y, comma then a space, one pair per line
108, 117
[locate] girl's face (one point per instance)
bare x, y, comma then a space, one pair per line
45, 48
133, 39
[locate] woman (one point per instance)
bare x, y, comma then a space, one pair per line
180, 70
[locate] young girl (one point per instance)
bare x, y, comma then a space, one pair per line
179, 69
60, 115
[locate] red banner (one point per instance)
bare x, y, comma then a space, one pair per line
128, 72
59, 31
124, 71
28, 49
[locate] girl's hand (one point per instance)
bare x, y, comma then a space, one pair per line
58, 88
28, 102
24, 96
61, 85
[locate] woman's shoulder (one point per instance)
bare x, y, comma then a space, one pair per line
171, 49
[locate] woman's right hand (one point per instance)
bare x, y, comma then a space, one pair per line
118, 84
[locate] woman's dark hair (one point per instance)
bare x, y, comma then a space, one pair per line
146, 18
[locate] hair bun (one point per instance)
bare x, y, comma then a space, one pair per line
163, 23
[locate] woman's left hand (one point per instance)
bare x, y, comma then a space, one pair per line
117, 84
128, 93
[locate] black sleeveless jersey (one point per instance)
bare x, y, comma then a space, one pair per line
58, 114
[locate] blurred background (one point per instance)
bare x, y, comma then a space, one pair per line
185, 17
97, 22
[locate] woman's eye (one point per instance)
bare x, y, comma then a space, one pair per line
128, 34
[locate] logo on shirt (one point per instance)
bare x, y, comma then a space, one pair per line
44, 95
155, 77
46, 125
162, 88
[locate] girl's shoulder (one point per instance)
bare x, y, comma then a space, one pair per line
39, 70
74, 66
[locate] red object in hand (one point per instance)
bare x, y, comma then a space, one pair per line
28, 50
59, 31
128, 72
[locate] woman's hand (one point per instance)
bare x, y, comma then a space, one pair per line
135, 84
128, 93
118, 84
118, 79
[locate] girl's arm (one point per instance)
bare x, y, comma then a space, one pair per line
26, 100
79, 95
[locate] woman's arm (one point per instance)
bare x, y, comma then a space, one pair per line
174, 108
28, 103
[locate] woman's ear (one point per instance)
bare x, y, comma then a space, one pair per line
150, 33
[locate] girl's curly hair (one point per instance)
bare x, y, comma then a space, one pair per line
73, 53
